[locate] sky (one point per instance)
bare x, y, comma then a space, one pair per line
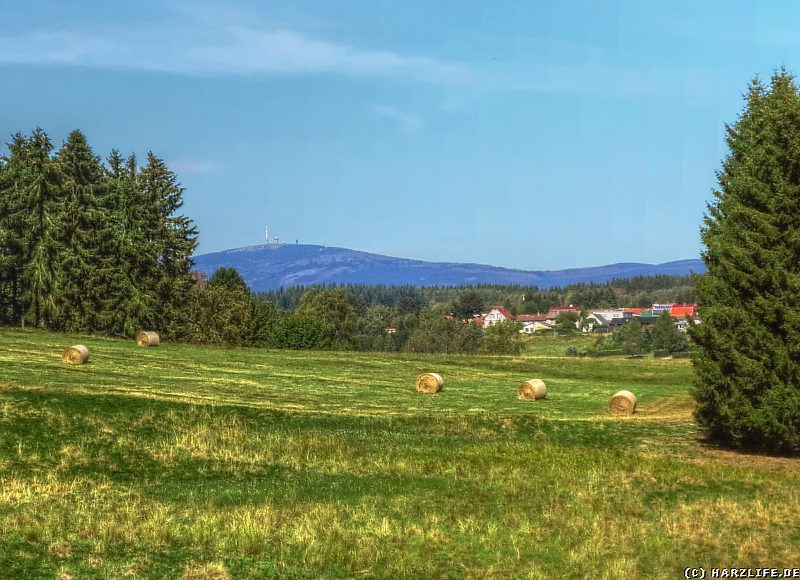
528, 134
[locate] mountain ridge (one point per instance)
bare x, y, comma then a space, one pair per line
271, 266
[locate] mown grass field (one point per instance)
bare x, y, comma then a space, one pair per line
189, 462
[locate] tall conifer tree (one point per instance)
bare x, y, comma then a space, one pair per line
131, 306
13, 229
84, 237
171, 238
10, 236
40, 186
748, 366
7, 251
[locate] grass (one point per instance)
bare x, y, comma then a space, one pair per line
189, 462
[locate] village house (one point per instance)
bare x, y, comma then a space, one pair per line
532, 323
610, 320
683, 310
609, 313
600, 320
556, 310
496, 314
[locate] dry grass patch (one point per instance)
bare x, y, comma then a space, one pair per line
667, 409
758, 532
60, 549
212, 571
714, 456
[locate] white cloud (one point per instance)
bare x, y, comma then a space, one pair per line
215, 39
52, 47
406, 122
205, 47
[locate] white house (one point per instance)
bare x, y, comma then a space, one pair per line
532, 323
596, 320
610, 314
496, 314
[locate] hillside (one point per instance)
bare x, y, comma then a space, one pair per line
267, 267
192, 462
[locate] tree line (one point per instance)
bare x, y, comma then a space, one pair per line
87, 246
639, 291
389, 318
334, 318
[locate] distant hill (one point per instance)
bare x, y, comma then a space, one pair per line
267, 267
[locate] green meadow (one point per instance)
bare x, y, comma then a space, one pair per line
189, 462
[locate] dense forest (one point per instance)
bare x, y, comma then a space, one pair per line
418, 316
87, 246
99, 247
641, 291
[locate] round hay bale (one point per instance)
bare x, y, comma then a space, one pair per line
623, 403
532, 390
429, 383
147, 338
75, 355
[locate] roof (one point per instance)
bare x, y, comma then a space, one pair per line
679, 311
504, 312
531, 317
599, 317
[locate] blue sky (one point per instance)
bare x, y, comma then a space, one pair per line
519, 133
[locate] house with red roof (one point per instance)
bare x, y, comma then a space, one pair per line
496, 314
556, 310
683, 310
683, 315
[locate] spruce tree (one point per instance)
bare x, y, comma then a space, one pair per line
229, 278
11, 231
84, 238
132, 256
39, 184
170, 239
748, 366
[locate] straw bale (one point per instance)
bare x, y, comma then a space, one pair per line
532, 390
429, 383
147, 338
623, 403
75, 355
